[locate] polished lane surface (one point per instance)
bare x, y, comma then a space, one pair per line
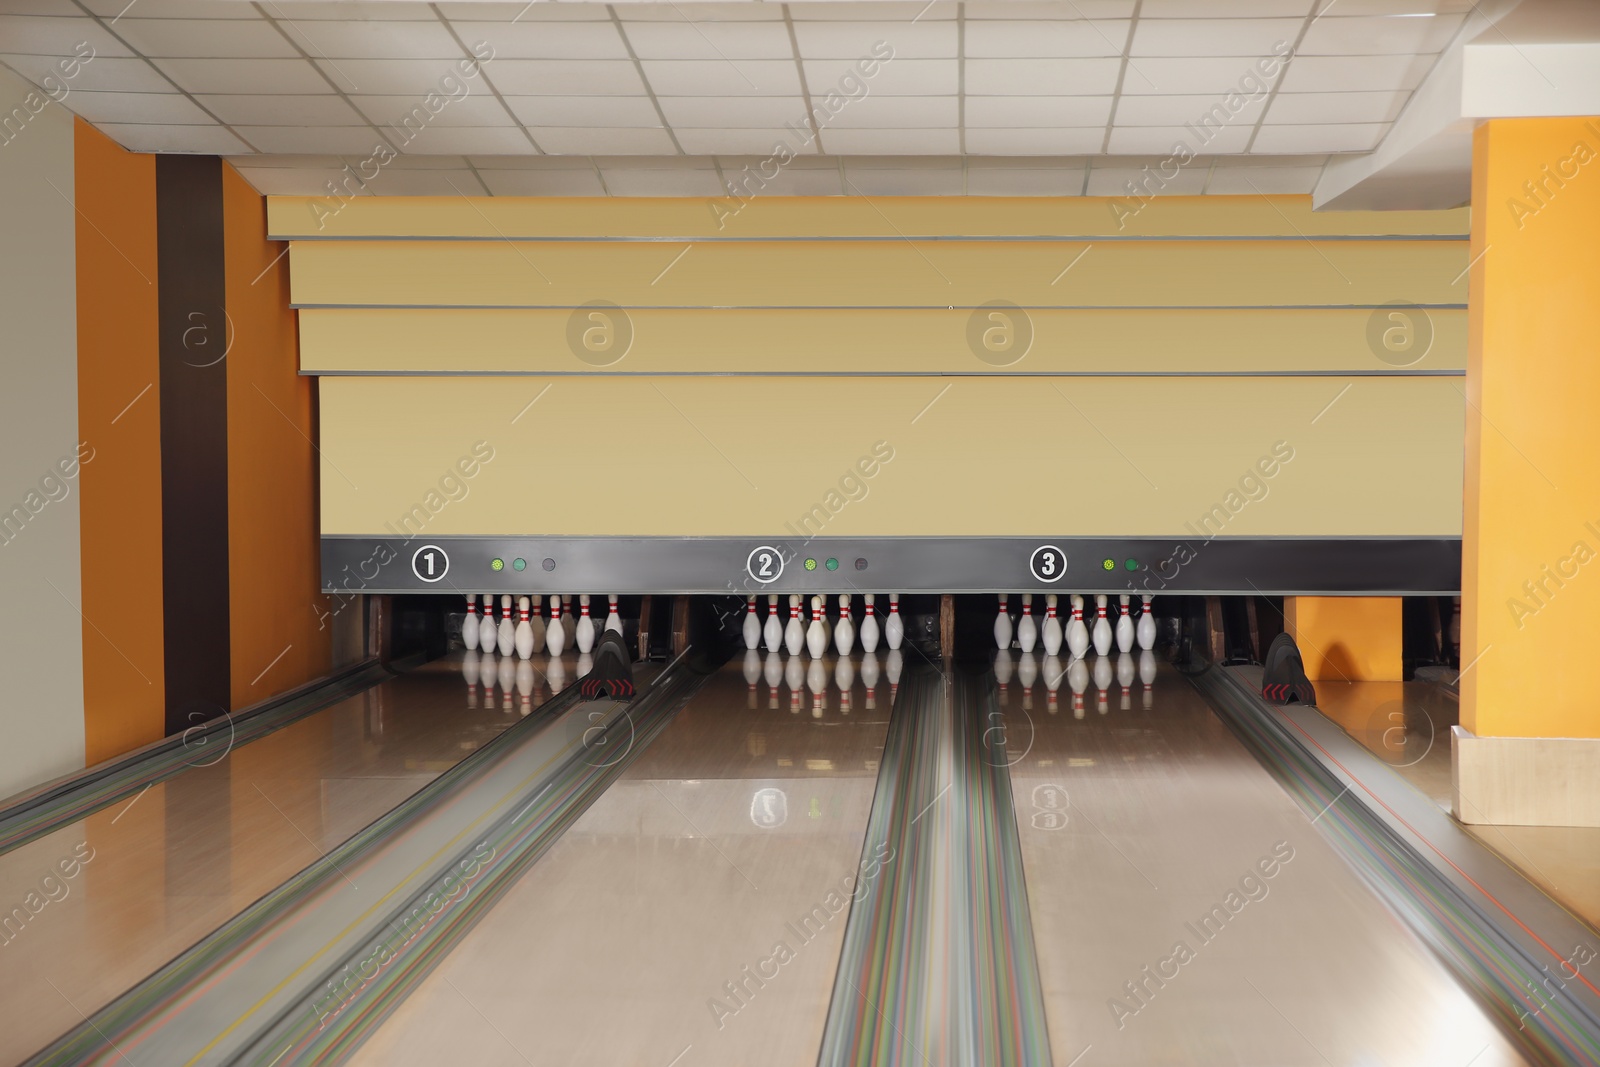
651, 932
93, 908
1186, 910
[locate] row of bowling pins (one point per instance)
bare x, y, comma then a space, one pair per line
1075, 632
821, 632
531, 631
775, 669
1077, 674
510, 673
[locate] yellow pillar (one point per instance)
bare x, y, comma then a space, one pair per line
1530, 610
1346, 638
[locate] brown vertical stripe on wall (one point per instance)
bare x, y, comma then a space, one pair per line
194, 437
119, 419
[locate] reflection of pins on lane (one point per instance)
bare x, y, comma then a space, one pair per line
772, 632
816, 636
844, 635
844, 676
536, 621
487, 669
1125, 672
1077, 681
772, 672
1050, 632
488, 633
556, 672
613, 620
794, 676
752, 675
1124, 625
1077, 632
525, 686
1027, 628
1102, 682
469, 626
585, 631
1027, 674
894, 627
794, 634
869, 677
1147, 675
752, 625
506, 632
1002, 623
1053, 673
469, 671
869, 626
817, 682
508, 678
1146, 630
1002, 673
555, 635
893, 666
1102, 626
524, 635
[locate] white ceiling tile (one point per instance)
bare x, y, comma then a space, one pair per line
1164, 140
791, 180
663, 11
456, 182
342, 10
1158, 76
898, 77
394, 77
1326, 137
99, 75
750, 77
1043, 10
505, 162
480, 110
891, 142
706, 112
164, 109
323, 109
1003, 112
920, 181
871, 11
33, 35
202, 140
242, 75
922, 39
468, 140
458, 11
1013, 39
627, 181
545, 40
899, 112
1035, 142
1214, 37
578, 140
433, 161
171, 9
1268, 181
585, 182
624, 111
391, 40
1301, 108
1400, 7
1029, 181
561, 77
711, 41
206, 38
1027, 77
1339, 36
1128, 176
1177, 9
722, 142
1197, 110
344, 140
1331, 74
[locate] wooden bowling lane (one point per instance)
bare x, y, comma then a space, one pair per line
90, 909
1186, 910
694, 914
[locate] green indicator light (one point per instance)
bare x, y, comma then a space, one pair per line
519, 564
1131, 564
811, 564
1108, 564
832, 564
497, 564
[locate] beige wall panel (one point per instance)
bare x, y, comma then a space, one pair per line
876, 273
739, 341
496, 218
971, 456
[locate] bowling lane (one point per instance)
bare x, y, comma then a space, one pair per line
90, 909
1186, 910
718, 861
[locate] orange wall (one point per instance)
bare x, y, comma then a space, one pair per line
1346, 638
279, 638
1530, 605
119, 409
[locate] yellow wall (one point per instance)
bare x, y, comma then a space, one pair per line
1347, 639
1530, 617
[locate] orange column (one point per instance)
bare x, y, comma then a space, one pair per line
1346, 638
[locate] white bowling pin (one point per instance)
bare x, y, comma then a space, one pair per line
894, 627
536, 620
1027, 628
752, 625
1077, 681
869, 677
1125, 675
469, 671
523, 637
1077, 632
1102, 626
1124, 625
488, 632
816, 635
555, 635
585, 630
752, 675
772, 631
506, 634
1002, 673
794, 634
508, 678
613, 620
1053, 672
1147, 676
1050, 632
844, 676
1002, 623
1146, 629
844, 635
1102, 682
869, 627
1027, 674
469, 626
524, 683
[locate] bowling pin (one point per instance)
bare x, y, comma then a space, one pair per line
1077, 681
844, 676
469, 626
488, 632
1077, 632
752, 674
844, 635
585, 631
1027, 674
772, 672
869, 627
1102, 682
613, 620
816, 635
506, 635
1027, 628
794, 634
536, 621
1102, 626
1147, 676
1002, 673
772, 632
869, 677
469, 670
525, 683
555, 635
508, 678
1053, 672
1124, 625
523, 638
894, 627
1146, 630
752, 626
1050, 632
1002, 623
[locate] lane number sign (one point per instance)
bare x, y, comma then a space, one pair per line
765, 564
1048, 563
429, 563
